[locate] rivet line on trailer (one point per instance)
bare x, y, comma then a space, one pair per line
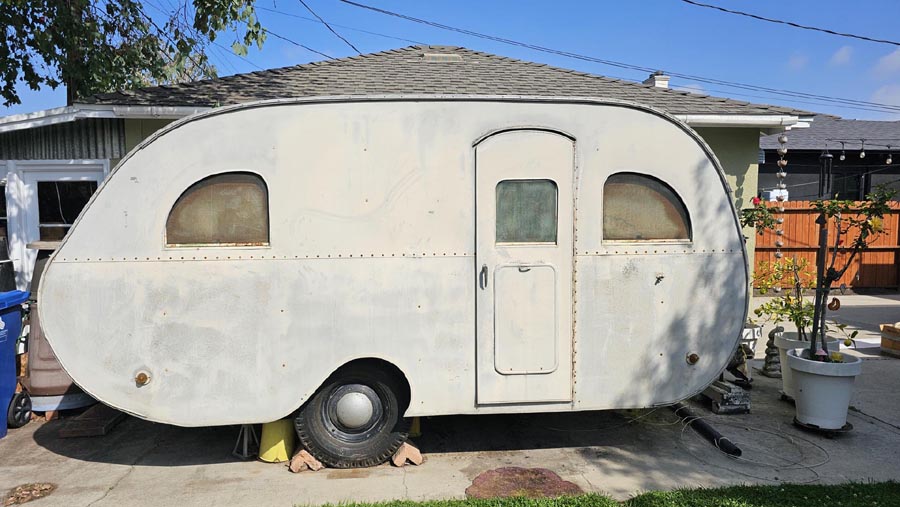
180, 258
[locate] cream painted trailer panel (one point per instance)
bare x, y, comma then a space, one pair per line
382, 243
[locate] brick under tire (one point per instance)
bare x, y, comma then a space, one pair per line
321, 431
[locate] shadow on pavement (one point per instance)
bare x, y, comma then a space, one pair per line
148, 443
155, 444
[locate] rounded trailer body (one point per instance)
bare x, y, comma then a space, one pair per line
463, 240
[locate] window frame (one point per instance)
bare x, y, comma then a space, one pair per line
231, 245
657, 241
59, 225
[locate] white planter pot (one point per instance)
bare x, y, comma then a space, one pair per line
823, 389
789, 340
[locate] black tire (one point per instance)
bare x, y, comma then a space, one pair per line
323, 435
19, 412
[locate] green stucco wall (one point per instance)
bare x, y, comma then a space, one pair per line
138, 130
738, 151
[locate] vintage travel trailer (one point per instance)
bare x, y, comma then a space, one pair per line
348, 261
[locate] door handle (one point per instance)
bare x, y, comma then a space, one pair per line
483, 277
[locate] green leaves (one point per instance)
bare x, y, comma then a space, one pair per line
759, 217
94, 47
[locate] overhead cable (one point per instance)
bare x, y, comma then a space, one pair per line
786, 93
793, 24
345, 27
339, 36
282, 37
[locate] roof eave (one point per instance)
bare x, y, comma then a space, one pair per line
770, 122
776, 122
83, 111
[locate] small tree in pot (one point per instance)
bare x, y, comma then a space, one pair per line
823, 378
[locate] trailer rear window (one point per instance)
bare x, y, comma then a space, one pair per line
642, 208
230, 209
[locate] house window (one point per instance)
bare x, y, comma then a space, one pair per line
59, 204
642, 208
230, 209
526, 211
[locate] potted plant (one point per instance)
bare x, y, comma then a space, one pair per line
791, 307
822, 375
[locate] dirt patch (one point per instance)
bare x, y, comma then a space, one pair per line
28, 492
516, 481
353, 473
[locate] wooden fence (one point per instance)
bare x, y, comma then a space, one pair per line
876, 267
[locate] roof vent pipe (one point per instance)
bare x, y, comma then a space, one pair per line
658, 80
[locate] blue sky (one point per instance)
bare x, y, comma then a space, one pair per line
666, 34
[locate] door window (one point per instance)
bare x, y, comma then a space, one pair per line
526, 211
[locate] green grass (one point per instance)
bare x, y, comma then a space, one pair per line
882, 494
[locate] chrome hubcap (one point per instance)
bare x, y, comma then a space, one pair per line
353, 413
354, 410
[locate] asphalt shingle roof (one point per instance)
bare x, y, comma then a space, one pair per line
831, 131
407, 71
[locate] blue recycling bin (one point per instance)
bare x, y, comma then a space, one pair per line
10, 328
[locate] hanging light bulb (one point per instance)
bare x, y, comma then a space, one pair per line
843, 154
890, 158
862, 149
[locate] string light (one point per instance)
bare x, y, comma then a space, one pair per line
843, 154
862, 149
890, 157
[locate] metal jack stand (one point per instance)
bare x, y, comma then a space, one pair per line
247, 445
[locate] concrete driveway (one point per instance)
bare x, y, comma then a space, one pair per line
617, 453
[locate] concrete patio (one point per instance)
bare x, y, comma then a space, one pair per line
617, 453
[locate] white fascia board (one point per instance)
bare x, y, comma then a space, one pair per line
48, 117
740, 120
145, 112
82, 111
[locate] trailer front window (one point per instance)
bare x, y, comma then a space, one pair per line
526, 211
642, 208
230, 209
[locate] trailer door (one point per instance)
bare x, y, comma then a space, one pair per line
524, 240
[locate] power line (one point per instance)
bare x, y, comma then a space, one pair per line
290, 15
231, 52
412, 41
788, 93
793, 24
227, 50
768, 97
339, 36
282, 37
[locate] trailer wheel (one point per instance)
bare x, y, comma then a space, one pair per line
19, 412
355, 419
